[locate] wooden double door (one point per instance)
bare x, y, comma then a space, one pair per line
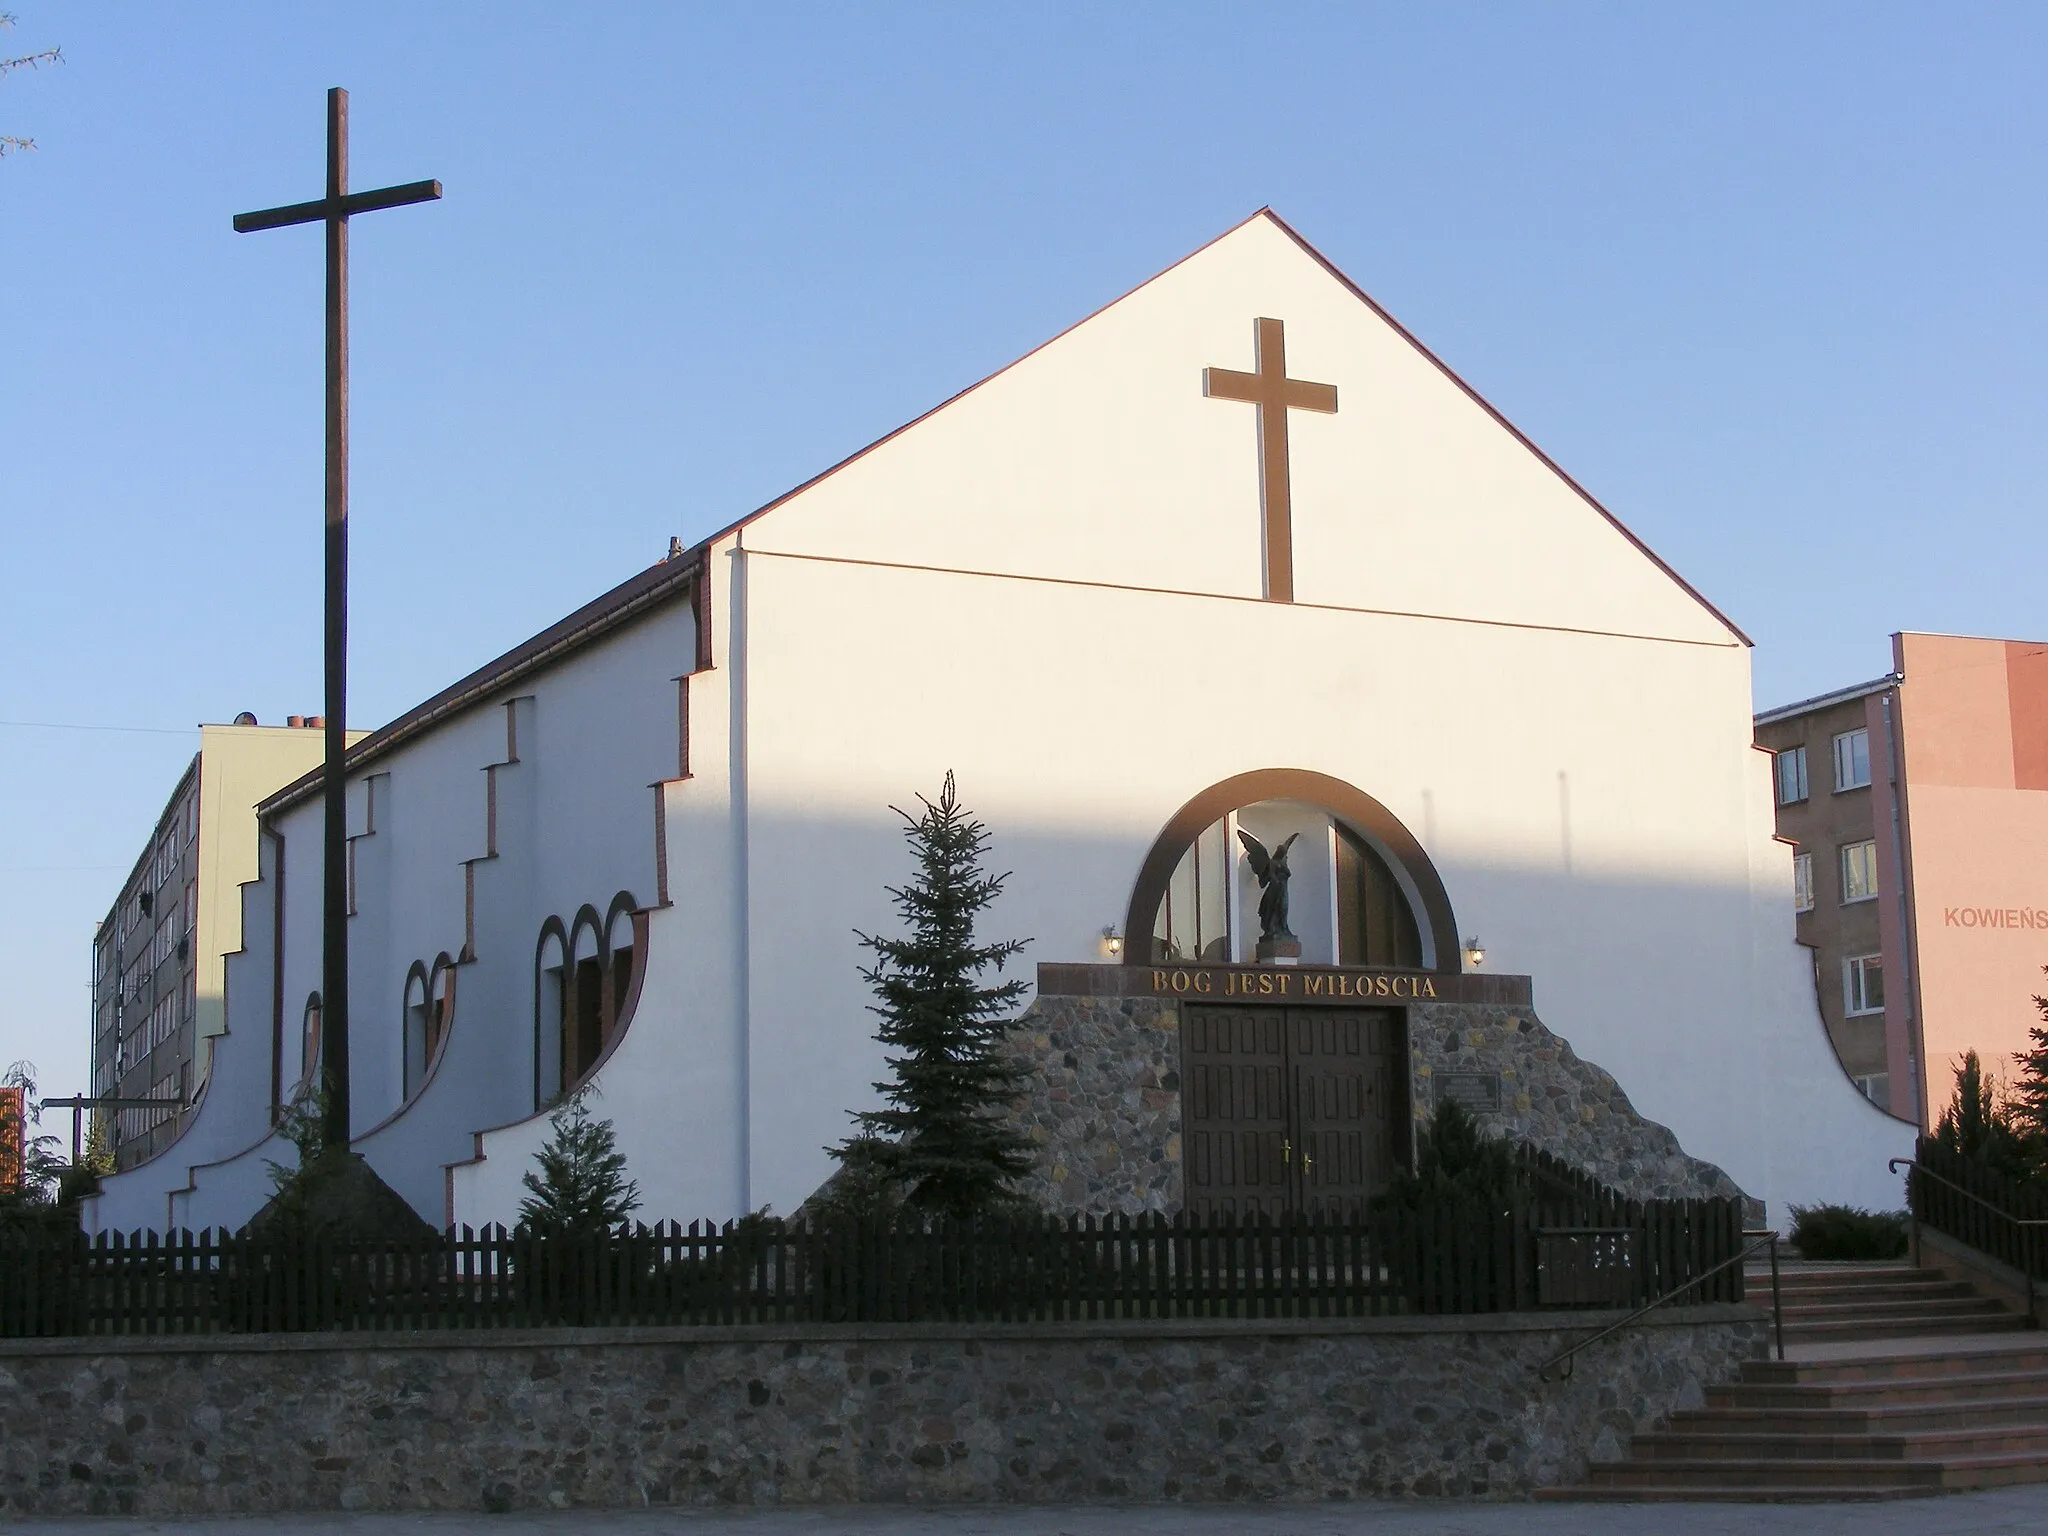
1291, 1110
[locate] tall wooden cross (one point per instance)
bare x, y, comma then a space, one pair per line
335, 210
1275, 395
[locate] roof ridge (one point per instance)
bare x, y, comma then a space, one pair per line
1502, 421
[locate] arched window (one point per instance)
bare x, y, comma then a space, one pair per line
1362, 891
584, 1026
309, 1039
429, 1012
440, 1007
416, 1007
429, 1009
550, 1000
619, 959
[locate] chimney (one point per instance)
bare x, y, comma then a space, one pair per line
316, 722
295, 721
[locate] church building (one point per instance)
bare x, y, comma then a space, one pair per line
1233, 565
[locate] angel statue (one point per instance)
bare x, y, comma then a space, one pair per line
1271, 868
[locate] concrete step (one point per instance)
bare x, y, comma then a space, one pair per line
1898, 1364
1931, 1392
1700, 1443
1875, 1419
1731, 1493
1852, 1329
1851, 1295
1876, 1277
1993, 1470
1963, 1303
1877, 1273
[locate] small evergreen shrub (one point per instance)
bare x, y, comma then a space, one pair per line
1457, 1164
1844, 1232
579, 1186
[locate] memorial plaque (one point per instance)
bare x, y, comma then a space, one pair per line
1477, 1091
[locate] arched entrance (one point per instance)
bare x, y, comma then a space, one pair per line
1291, 1101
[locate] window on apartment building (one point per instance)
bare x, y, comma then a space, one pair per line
1791, 765
1852, 760
1859, 872
1802, 882
1877, 1088
1863, 984
163, 1021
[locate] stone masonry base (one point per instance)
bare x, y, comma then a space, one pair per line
1318, 1410
1101, 1100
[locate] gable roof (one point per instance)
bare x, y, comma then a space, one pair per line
650, 589
1356, 292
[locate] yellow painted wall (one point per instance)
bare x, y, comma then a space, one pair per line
239, 766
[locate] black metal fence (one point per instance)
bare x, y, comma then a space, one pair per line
1436, 1261
1967, 1201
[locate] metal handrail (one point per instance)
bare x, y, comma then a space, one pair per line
1764, 1239
1916, 1166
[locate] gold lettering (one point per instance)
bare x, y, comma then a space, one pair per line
1381, 986
1283, 983
1159, 981
1312, 986
1407, 990
1428, 987
1180, 981
1266, 984
1201, 981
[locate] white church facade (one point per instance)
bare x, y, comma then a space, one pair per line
1236, 553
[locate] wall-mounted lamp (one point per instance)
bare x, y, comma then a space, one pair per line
1112, 942
1475, 953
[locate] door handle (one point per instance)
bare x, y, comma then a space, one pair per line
1286, 1150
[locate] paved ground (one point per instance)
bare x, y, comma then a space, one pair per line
2001, 1512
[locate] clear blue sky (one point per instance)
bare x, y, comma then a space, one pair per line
1766, 278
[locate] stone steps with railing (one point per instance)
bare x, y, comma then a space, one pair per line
1898, 1418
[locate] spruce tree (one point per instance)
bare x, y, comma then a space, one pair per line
2029, 1098
943, 1140
1976, 1126
579, 1186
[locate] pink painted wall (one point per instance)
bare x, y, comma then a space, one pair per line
1974, 735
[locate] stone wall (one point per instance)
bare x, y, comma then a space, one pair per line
1102, 1100
763, 1415
1552, 1098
